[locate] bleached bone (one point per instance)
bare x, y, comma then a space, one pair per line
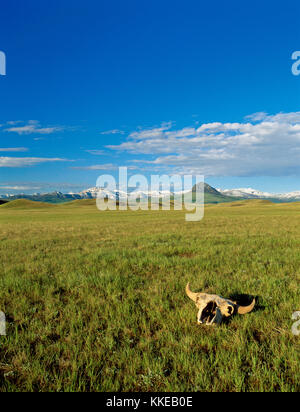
213, 308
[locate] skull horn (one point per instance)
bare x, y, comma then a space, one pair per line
191, 295
242, 310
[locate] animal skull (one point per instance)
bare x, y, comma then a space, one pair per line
212, 308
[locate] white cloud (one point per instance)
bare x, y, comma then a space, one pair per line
13, 149
32, 126
3, 187
14, 122
263, 145
96, 152
156, 132
108, 166
256, 117
43, 187
114, 131
26, 161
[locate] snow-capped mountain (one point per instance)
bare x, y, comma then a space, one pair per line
246, 193
291, 195
249, 193
93, 193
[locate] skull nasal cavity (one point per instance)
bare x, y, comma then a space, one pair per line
211, 306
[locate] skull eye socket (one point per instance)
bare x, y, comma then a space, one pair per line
230, 310
209, 312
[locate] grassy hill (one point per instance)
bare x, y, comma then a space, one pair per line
26, 204
78, 203
212, 195
55, 197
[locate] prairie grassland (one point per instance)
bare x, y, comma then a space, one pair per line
95, 300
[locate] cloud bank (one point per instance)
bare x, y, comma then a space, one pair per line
263, 144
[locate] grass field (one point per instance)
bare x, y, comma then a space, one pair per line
95, 300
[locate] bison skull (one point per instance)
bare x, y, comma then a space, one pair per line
213, 308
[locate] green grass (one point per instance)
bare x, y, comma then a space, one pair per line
95, 300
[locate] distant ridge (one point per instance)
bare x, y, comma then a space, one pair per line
54, 197
26, 204
211, 195
249, 193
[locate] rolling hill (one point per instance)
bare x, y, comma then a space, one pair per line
212, 195
26, 204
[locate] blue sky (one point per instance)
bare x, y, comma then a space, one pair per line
159, 86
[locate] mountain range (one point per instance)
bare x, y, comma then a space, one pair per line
249, 193
211, 195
